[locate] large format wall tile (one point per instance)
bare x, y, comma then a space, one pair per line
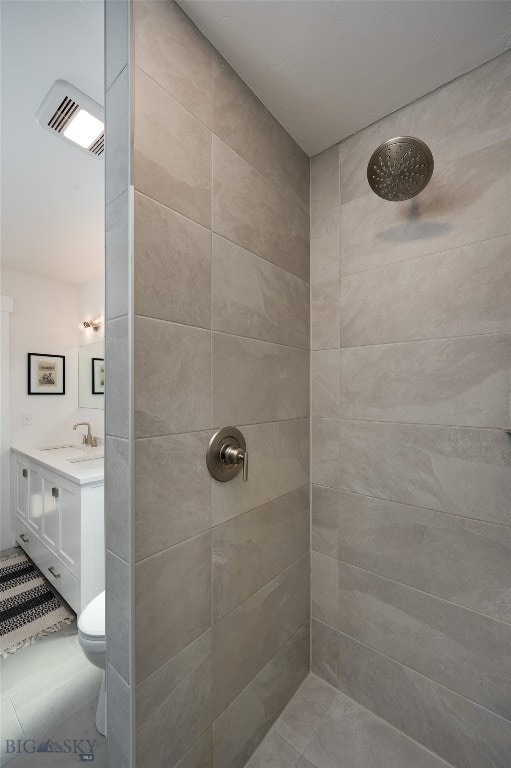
325, 193
463, 733
117, 137
118, 485
172, 491
245, 125
172, 51
325, 652
174, 706
251, 549
461, 382
118, 712
466, 114
325, 250
452, 469
461, 292
324, 589
172, 275
279, 463
461, 560
325, 313
240, 728
255, 381
325, 383
117, 39
252, 297
463, 650
200, 755
251, 211
462, 204
118, 613
173, 602
172, 378
326, 452
117, 377
250, 635
117, 253
171, 153
325, 520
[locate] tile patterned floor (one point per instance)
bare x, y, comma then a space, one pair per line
49, 690
322, 728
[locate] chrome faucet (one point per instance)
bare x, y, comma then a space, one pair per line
87, 439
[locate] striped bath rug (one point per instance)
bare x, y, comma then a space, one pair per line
29, 609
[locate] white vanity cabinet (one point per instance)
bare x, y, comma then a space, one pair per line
59, 522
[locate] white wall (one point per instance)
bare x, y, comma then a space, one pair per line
91, 303
45, 319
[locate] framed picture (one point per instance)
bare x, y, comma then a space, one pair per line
46, 374
98, 376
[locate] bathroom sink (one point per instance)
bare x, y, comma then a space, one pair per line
96, 457
60, 449
89, 463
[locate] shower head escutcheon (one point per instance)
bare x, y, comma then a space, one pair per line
400, 168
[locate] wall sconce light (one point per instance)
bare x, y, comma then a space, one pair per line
95, 323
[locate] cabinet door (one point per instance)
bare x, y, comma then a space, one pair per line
22, 472
35, 500
50, 527
70, 528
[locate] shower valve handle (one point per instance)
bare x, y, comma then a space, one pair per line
231, 455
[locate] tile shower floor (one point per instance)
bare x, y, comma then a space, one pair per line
323, 728
49, 690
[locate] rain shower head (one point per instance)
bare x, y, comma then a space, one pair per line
400, 168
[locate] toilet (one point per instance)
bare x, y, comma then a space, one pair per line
91, 636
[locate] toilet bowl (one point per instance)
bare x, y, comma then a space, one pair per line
91, 636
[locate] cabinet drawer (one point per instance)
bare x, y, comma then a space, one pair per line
65, 582
59, 576
24, 537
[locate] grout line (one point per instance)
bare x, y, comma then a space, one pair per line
424, 255
114, 199
440, 759
259, 672
260, 506
413, 424
115, 78
220, 333
425, 677
269, 581
415, 506
420, 591
214, 428
427, 341
222, 236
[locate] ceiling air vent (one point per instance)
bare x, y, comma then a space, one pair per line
76, 118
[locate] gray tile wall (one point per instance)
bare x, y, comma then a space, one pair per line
411, 494
213, 307
119, 391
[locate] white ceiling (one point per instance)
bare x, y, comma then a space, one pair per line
52, 194
326, 69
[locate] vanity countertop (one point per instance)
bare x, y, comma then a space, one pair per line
78, 463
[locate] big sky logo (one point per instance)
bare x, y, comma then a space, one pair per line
82, 748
